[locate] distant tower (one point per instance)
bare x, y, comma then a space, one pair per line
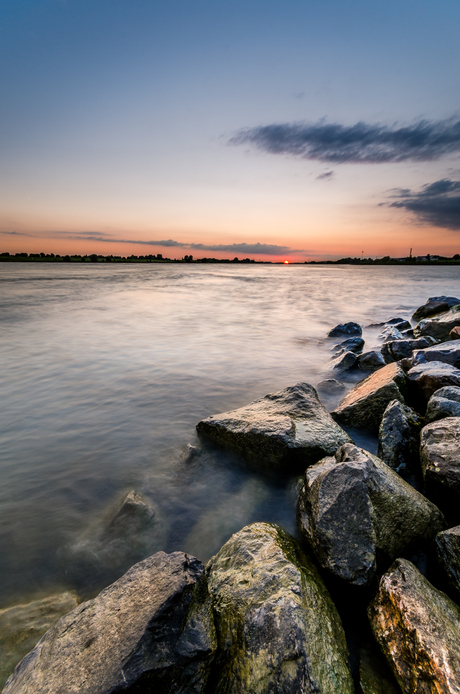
410, 254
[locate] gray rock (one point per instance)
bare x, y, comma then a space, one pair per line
440, 455
394, 350
439, 326
364, 405
330, 386
22, 626
356, 513
345, 329
418, 629
277, 628
135, 632
399, 438
399, 323
284, 431
425, 379
447, 352
344, 362
353, 344
189, 455
391, 333
444, 402
408, 334
448, 553
370, 361
434, 305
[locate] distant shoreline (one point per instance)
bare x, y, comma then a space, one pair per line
111, 259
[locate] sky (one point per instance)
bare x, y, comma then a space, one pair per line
299, 130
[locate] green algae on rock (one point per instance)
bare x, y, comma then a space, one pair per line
277, 628
418, 629
283, 431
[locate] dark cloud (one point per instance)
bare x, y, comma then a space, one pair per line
436, 203
362, 143
327, 175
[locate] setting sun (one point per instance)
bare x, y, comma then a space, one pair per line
286, 262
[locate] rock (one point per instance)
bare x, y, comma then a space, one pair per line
425, 379
357, 514
135, 632
418, 630
277, 628
189, 454
282, 431
391, 333
437, 304
374, 675
344, 362
448, 553
330, 386
370, 361
353, 344
399, 438
407, 334
22, 626
444, 402
364, 405
447, 352
399, 323
455, 333
440, 456
345, 329
401, 349
439, 326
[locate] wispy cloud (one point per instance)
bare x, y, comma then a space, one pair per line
327, 175
436, 203
14, 233
362, 143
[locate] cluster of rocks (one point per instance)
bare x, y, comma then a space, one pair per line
261, 616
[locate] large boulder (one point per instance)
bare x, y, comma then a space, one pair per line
357, 514
447, 352
399, 438
394, 350
277, 628
345, 330
22, 626
418, 629
448, 553
364, 405
435, 305
136, 632
440, 456
444, 402
425, 379
439, 326
283, 431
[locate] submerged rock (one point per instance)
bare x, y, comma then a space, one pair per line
440, 456
370, 361
448, 553
364, 405
22, 626
439, 326
447, 352
277, 628
330, 386
283, 431
345, 329
425, 379
135, 632
399, 438
444, 402
356, 512
418, 630
434, 305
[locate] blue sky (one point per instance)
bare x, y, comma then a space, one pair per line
118, 119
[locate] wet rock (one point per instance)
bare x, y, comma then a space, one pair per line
425, 379
440, 456
447, 352
434, 305
344, 362
391, 333
399, 323
330, 386
22, 626
357, 514
370, 361
418, 630
345, 329
277, 628
402, 349
364, 405
135, 632
455, 333
439, 326
399, 438
283, 431
353, 344
448, 553
189, 455
407, 334
374, 675
444, 402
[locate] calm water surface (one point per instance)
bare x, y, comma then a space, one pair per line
107, 369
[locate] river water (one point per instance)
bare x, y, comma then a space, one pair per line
106, 369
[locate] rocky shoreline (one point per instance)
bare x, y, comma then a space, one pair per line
366, 600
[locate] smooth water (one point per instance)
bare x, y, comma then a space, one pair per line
106, 369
